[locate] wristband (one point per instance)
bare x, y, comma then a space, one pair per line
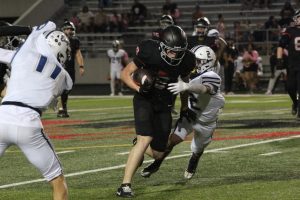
81, 66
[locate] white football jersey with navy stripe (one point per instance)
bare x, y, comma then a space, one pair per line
207, 105
36, 75
116, 58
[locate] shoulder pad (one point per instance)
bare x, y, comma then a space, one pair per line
213, 33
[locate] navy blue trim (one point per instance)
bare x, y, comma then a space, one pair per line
51, 146
41, 64
55, 73
15, 103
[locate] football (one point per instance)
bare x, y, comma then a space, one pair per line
143, 77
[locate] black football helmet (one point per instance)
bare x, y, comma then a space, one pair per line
69, 25
201, 27
165, 21
116, 45
173, 40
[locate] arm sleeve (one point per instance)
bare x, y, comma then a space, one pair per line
143, 54
6, 56
284, 40
212, 82
15, 30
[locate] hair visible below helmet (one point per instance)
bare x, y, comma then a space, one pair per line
296, 18
59, 45
174, 40
165, 21
205, 58
204, 23
69, 25
116, 45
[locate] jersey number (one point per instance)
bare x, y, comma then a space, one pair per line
297, 43
41, 65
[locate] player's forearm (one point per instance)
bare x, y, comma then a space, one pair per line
279, 52
79, 59
197, 88
6, 55
126, 76
15, 30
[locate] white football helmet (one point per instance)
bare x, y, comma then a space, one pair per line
60, 45
205, 58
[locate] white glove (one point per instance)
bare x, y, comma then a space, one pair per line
178, 87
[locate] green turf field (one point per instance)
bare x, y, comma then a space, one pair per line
254, 155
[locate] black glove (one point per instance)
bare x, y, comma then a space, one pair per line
279, 64
188, 114
144, 90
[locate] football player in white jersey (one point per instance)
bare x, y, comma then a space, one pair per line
37, 78
205, 101
117, 58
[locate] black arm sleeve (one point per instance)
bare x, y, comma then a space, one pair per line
284, 41
15, 30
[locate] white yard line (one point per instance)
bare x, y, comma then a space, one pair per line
63, 152
123, 153
148, 161
271, 153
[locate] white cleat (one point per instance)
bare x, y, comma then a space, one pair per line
188, 175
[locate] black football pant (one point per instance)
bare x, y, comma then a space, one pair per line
65, 95
293, 86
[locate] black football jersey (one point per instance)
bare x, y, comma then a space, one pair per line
207, 41
75, 45
148, 57
290, 39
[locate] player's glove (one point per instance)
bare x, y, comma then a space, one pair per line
144, 90
279, 64
178, 87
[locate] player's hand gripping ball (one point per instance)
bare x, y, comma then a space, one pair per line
144, 79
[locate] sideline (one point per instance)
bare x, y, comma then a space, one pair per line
148, 161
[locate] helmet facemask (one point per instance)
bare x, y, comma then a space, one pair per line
201, 30
201, 27
69, 28
174, 61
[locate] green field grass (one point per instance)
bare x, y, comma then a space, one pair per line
254, 154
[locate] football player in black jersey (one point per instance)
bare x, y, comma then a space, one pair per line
167, 60
204, 35
290, 39
69, 29
164, 22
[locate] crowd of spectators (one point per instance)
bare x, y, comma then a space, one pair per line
244, 33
